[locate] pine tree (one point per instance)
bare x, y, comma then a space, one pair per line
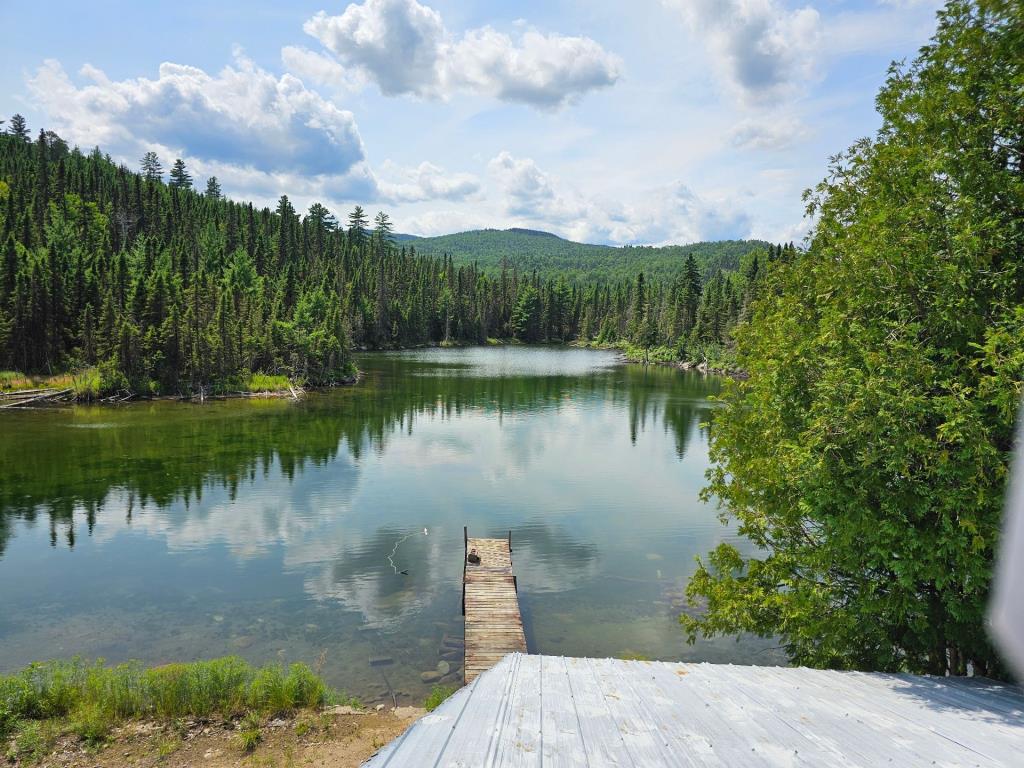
357, 225
213, 188
18, 128
151, 168
383, 228
180, 177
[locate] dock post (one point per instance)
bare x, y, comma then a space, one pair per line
465, 554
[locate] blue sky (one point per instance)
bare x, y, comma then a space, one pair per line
645, 122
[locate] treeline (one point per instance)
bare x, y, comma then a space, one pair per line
165, 288
552, 256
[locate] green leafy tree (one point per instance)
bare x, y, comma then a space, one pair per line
866, 455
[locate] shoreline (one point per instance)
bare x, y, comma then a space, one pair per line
701, 367
38, 395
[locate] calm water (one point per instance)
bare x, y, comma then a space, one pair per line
169, 531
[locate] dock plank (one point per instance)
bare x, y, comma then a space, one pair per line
494, 624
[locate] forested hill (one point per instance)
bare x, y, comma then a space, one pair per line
146, 284
548, 254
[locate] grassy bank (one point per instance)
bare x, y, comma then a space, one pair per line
716, 358
96, 383
48, 700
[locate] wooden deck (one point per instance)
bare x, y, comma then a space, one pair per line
490, 603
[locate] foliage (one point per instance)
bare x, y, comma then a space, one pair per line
437, 696
551, 256
867, 454
163, 289
250, 732
224, 686
33, 741
262, 382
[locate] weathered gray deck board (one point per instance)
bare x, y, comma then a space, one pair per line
553, 711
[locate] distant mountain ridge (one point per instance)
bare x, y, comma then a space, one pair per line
547, 253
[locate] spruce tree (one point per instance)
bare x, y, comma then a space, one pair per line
213, 188
357, 225
18, 127
180, 177
151, 168
383, 228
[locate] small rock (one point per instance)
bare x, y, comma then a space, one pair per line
379, 708
443, 667
430, 676
345, 709
381, 661
407, 713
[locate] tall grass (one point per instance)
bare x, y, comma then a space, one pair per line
265, 382
94, 697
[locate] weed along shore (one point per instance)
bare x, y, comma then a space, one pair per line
18, 390
76, 713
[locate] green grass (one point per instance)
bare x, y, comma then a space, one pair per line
437, 695
660, 354
90, 698
250, 732
34, 741
265, 382
87, 384
13, 380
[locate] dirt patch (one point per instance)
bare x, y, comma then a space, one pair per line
338, 737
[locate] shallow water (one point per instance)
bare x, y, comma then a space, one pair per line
169, 531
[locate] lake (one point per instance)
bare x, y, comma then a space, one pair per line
279, 530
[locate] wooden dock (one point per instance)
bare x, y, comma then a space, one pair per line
490, 603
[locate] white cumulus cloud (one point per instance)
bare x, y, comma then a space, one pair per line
405, 48
319, 69
427, 182
768, 132
760, 48
670, 213
242, 116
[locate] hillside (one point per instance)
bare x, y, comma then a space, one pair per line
528, 250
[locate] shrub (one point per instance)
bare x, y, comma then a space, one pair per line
227, 686
112, 378
437, 695
87, 384
249, 733
91, 723
265, 382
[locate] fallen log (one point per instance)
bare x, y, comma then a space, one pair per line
49, 395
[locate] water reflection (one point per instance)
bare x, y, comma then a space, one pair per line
167, 530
